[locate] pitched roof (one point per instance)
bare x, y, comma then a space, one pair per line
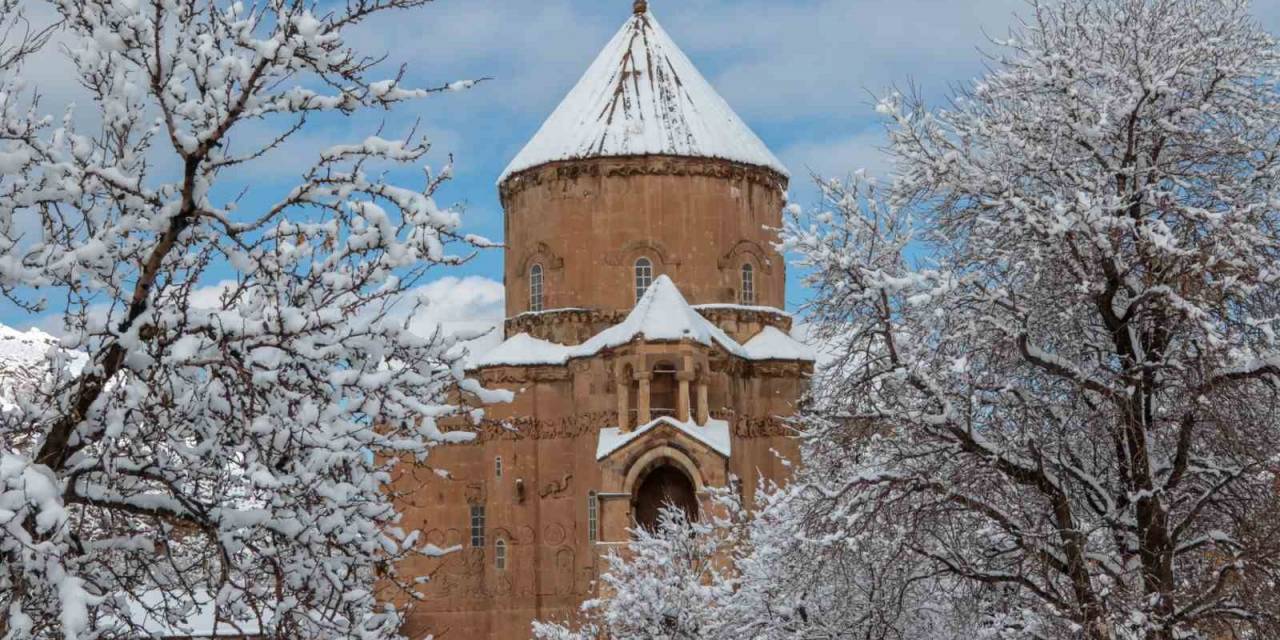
662, 315
714, 434
643, 96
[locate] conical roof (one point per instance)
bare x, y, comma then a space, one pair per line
642, 96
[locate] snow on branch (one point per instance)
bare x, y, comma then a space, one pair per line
245, 380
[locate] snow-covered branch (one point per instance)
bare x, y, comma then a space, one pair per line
235, 444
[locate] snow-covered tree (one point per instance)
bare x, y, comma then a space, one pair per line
671, 583
785, 572
1059, 364
248, 381
19, 36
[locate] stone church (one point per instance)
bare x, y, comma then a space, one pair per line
645, 344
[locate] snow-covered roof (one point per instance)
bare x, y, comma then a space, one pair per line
662, 315
714, 434
642, 96
741, 307
772, 344
523, 350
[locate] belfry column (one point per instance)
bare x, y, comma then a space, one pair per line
682, 403
642, 398
624, 410
704, 414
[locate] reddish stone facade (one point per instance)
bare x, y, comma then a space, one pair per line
557, 478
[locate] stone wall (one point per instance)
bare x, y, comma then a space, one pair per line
587, 222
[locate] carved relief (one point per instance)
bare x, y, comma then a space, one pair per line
748, 427
553, 534
529, 427
632, 251
524, 535
653, 166
564, 571
733, 257
556, 487
585, 585
542, 253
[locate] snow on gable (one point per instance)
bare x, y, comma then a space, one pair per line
643, 96
715, 434
662, 315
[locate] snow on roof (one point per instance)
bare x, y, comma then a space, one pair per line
643, 96
714, 434
741, 307
772, 344
662, 315
523, 350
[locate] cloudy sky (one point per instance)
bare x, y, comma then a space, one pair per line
802, 73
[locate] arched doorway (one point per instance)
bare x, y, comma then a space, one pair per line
662, 486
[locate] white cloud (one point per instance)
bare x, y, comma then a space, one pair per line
470, 304
839, 156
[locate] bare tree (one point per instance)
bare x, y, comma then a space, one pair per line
19, 37
1058, 327
248, 383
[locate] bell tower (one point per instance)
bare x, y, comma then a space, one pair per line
646, 348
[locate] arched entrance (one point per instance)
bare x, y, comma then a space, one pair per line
664, 485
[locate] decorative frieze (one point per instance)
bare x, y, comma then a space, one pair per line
639, 166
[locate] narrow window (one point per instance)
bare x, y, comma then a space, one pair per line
644, 277
747, 294
535, 288
593, 516
477, 526
500, 554
497, 467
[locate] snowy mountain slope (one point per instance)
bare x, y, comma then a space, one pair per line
24, 361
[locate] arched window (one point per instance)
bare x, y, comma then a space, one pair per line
535, 288
644, 277
593, 516
497, 467
747, 294
500, 554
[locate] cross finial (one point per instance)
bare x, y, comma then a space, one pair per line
640, 6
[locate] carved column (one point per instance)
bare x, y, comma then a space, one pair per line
682, 403
642, 398
704, 412
624, 410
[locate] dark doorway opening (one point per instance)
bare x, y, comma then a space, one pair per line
665, 485
662, 391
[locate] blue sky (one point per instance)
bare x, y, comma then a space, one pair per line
801, 73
